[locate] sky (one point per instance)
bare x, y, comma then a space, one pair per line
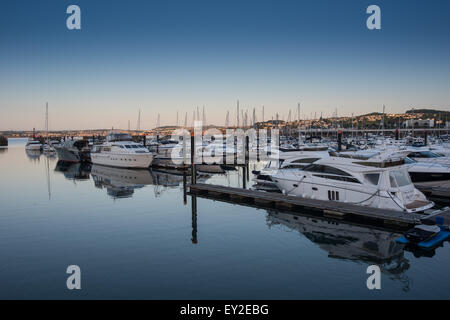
171, 56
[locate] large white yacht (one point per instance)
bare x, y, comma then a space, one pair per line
379, 180
427, 171
285, 160
424, 154
120, 151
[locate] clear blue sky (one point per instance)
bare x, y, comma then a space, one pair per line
164, 56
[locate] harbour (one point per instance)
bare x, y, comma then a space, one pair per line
219, 211
218, 158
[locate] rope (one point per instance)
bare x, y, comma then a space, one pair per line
376, 192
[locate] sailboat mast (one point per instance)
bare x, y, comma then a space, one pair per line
46, 120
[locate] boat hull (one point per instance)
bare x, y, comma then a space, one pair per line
68, 155
33, 147
122, 161
425, 176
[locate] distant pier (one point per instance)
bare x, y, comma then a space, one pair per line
3, 141
331, 208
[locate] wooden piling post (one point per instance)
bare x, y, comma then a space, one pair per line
339, 140
193, 170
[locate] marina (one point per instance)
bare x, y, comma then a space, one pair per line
216, 158
161, 225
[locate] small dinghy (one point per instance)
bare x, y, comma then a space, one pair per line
425, 236
422, 232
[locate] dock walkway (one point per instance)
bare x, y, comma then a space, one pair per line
277, 200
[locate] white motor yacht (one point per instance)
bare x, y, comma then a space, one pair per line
120, 151
285, 160
427, 171
424, 154
379, 180
33, 145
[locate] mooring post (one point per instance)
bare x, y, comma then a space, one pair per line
235, 150
257, 145
157, 143
246, 149
244, 176
426, 137
193, 171
396, 134
145, 140
339, 140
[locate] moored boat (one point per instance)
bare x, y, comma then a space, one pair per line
120, 151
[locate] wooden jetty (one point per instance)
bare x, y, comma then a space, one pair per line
331, 208
3, 141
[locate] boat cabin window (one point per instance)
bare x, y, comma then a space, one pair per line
306, 160
423, 154
338, 178
409, 160
373, 178
399, 178
325, 169
275, 164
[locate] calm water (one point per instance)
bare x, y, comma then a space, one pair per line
133, 237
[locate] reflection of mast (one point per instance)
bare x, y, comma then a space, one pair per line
48, 177
46, 120
194, 220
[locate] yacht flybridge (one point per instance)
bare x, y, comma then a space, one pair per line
374, 179
120, 151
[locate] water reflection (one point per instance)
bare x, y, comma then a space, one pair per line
350, 242
3, 149
33, 155
74, 171
120, 182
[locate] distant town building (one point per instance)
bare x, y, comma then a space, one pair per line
418, 123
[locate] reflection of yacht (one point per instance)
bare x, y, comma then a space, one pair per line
167, 177
120, 151
120, 182
33, 154
73, 171
375, 180
172, 177
349, 242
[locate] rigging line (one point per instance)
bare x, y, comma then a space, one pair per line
376, 192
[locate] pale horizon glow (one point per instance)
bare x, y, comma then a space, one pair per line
163, 58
